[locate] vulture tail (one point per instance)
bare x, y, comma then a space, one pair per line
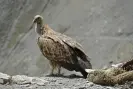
81, 67
83, 72
85, 60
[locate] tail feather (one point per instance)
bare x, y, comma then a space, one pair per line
82, 66
83, 72
79, 67
84, 59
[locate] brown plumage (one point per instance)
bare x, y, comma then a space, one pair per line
110, 76
126, 65
60, 50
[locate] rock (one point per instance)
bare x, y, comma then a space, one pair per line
90, 84
22, 79
66, 88
4, 78
39, 81
109, 88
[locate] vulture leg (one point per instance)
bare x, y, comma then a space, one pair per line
53, 66
59, 70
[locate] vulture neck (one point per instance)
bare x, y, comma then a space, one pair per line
39, 28
43, 29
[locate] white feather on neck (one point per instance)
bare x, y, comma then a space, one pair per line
38, 28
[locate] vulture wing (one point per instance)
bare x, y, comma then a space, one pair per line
54, 49
77, 49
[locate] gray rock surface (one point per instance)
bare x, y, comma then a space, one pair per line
64, 82
22, 79
4, 78
103, 27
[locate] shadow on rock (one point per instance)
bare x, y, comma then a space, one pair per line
65, 76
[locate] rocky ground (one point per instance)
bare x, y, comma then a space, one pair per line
48, 82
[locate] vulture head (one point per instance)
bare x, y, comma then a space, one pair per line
38, 19
38, 23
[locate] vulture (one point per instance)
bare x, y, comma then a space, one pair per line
110, 76
60, 50
126, 65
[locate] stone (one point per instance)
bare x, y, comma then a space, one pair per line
22, 79
90, 84
39, 81
4, 78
